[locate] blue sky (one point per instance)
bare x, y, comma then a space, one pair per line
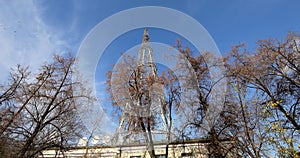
31, 31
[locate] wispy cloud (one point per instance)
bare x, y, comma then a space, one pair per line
24, 37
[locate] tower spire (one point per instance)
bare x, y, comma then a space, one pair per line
145, 36
145, 56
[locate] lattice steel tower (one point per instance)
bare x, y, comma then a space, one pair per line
145, 108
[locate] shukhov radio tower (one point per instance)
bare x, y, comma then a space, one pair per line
145, 108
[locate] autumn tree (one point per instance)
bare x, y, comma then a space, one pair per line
204, 77
39, 110
244, 116
133, 98
261, 108
271, 74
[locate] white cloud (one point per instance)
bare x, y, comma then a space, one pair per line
24, 37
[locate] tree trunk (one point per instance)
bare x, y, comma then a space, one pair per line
148, 136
